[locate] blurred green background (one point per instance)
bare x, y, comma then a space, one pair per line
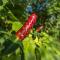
43, 45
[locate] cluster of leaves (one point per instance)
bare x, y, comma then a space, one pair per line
44, 45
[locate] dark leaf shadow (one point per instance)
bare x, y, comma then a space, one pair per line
1, 2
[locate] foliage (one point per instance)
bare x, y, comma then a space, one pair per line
43, 45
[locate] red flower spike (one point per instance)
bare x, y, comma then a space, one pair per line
40, 28
24, 31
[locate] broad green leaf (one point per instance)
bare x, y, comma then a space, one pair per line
29, 48
16, 26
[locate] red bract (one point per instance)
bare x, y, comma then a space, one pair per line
24, 31
40, 28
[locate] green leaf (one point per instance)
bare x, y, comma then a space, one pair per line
29, 48
16, 26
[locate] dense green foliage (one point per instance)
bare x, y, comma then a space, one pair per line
43, 45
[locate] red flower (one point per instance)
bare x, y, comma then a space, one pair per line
24, 31
40, 28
